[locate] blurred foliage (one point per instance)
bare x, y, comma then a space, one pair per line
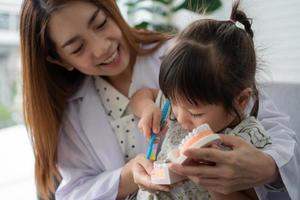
6, 118
165, 9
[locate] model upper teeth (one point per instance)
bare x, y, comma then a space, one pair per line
109, 60
195, 131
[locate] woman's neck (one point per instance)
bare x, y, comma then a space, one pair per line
122, 81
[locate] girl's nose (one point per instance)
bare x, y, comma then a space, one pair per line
182, 118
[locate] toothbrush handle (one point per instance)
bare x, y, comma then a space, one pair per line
150, 145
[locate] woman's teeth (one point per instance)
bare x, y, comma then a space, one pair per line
111, 59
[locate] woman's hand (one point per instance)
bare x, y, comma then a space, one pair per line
141, 174
241, 168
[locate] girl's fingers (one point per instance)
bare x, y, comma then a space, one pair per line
145, 126
164, 129
156, 121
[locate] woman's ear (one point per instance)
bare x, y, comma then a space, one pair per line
243, 99
58, 62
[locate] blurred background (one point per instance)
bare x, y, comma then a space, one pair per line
276, 27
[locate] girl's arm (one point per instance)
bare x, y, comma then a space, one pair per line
143, 98
143, 105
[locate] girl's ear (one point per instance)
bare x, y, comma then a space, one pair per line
60, 63
243, 99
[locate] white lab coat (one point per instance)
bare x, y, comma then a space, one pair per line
90, 159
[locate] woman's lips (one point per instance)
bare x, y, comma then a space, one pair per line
112, 60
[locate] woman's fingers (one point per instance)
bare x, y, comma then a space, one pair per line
242, 167
223, 186
207, 154
141, 175
201, 170
147, 165
231, 141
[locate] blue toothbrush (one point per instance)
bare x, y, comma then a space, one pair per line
153, 143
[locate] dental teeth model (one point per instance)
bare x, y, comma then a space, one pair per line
162, 175
201, 136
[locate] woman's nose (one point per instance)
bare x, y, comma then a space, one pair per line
100, 47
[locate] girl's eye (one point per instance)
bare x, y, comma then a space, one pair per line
196, 115
77, 50
102, 24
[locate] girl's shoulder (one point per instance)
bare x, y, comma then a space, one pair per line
251, 130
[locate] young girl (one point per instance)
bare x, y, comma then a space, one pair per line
209, 77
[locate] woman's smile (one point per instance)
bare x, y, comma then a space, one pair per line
94, 39
113, 60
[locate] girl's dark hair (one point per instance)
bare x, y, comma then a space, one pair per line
212, 62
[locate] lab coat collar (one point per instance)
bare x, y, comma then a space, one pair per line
113, 101
97, 128
82, 89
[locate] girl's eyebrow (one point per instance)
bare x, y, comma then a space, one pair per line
90, 22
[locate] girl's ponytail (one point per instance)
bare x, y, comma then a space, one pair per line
239, 16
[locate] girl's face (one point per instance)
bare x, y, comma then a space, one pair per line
88, 40
191, 116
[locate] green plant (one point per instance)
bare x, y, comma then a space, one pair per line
162, 11
6, 118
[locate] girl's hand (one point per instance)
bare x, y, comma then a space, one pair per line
141, 174
150, 120
241, 168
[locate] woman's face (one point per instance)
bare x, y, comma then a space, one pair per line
88, 40
191, 116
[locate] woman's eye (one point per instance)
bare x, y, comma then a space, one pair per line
77, 50
102, 24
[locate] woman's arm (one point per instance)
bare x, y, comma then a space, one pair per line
284, 149
83, 176
127, 185
241, 195
238, 169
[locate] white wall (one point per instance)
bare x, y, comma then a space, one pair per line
276, 27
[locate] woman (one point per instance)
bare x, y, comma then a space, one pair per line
81, 64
